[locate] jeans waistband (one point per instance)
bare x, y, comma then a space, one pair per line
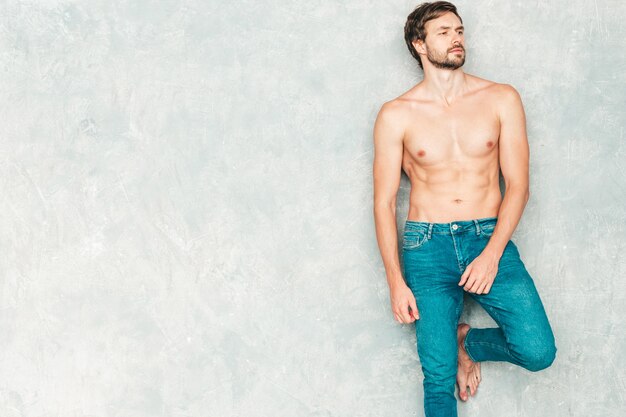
454, 227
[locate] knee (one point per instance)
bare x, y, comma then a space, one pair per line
539, 357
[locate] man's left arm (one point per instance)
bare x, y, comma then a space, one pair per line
514, 154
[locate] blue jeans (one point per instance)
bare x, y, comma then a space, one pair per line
434, 257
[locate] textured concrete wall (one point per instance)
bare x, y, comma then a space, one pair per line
186, 221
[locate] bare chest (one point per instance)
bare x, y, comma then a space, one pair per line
460, 134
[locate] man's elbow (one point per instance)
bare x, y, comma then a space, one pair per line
525, 192
518, 188
384, 205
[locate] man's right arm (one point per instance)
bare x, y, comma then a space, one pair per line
388, 148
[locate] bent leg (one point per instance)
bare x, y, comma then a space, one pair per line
524, 336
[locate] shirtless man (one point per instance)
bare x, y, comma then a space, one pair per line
452, 133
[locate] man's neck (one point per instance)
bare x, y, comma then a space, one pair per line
444, 85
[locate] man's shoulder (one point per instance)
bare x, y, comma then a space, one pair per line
496, 89
403, 104
492, 87
394, 108
505, 96
505, 91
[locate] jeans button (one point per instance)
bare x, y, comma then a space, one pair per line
454, 226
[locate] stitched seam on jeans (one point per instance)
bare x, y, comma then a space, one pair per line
419, 243
457, 255
497, 347
491, 345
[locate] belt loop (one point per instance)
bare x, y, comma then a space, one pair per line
430, 230
477, 227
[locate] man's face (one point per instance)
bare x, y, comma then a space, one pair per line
445, 42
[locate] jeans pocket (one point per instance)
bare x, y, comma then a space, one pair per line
486, 229
414, 238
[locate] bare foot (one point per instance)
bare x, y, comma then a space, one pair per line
468, 371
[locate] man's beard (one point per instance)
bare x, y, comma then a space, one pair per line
443, 61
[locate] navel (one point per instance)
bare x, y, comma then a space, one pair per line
421, 153
458, 201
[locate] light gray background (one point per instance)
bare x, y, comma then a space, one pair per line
186, 222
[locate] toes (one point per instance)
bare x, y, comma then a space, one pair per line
476, 382
463, 394
462, 389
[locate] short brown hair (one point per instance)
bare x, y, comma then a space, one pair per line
414, 29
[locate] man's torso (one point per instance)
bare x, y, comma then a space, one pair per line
451, 154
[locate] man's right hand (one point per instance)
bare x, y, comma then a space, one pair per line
401, 299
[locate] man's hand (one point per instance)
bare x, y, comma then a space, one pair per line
401, 299
480, 274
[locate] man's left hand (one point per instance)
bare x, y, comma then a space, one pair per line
480, 274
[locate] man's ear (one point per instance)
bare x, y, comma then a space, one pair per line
419, 46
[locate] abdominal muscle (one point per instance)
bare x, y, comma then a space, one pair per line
453, 193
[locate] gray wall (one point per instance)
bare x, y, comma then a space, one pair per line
186, 216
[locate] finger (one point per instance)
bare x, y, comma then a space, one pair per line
398, 313
406, 315
465, 276
414, 309
488, 287
469, 283
475, 285
481, 289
